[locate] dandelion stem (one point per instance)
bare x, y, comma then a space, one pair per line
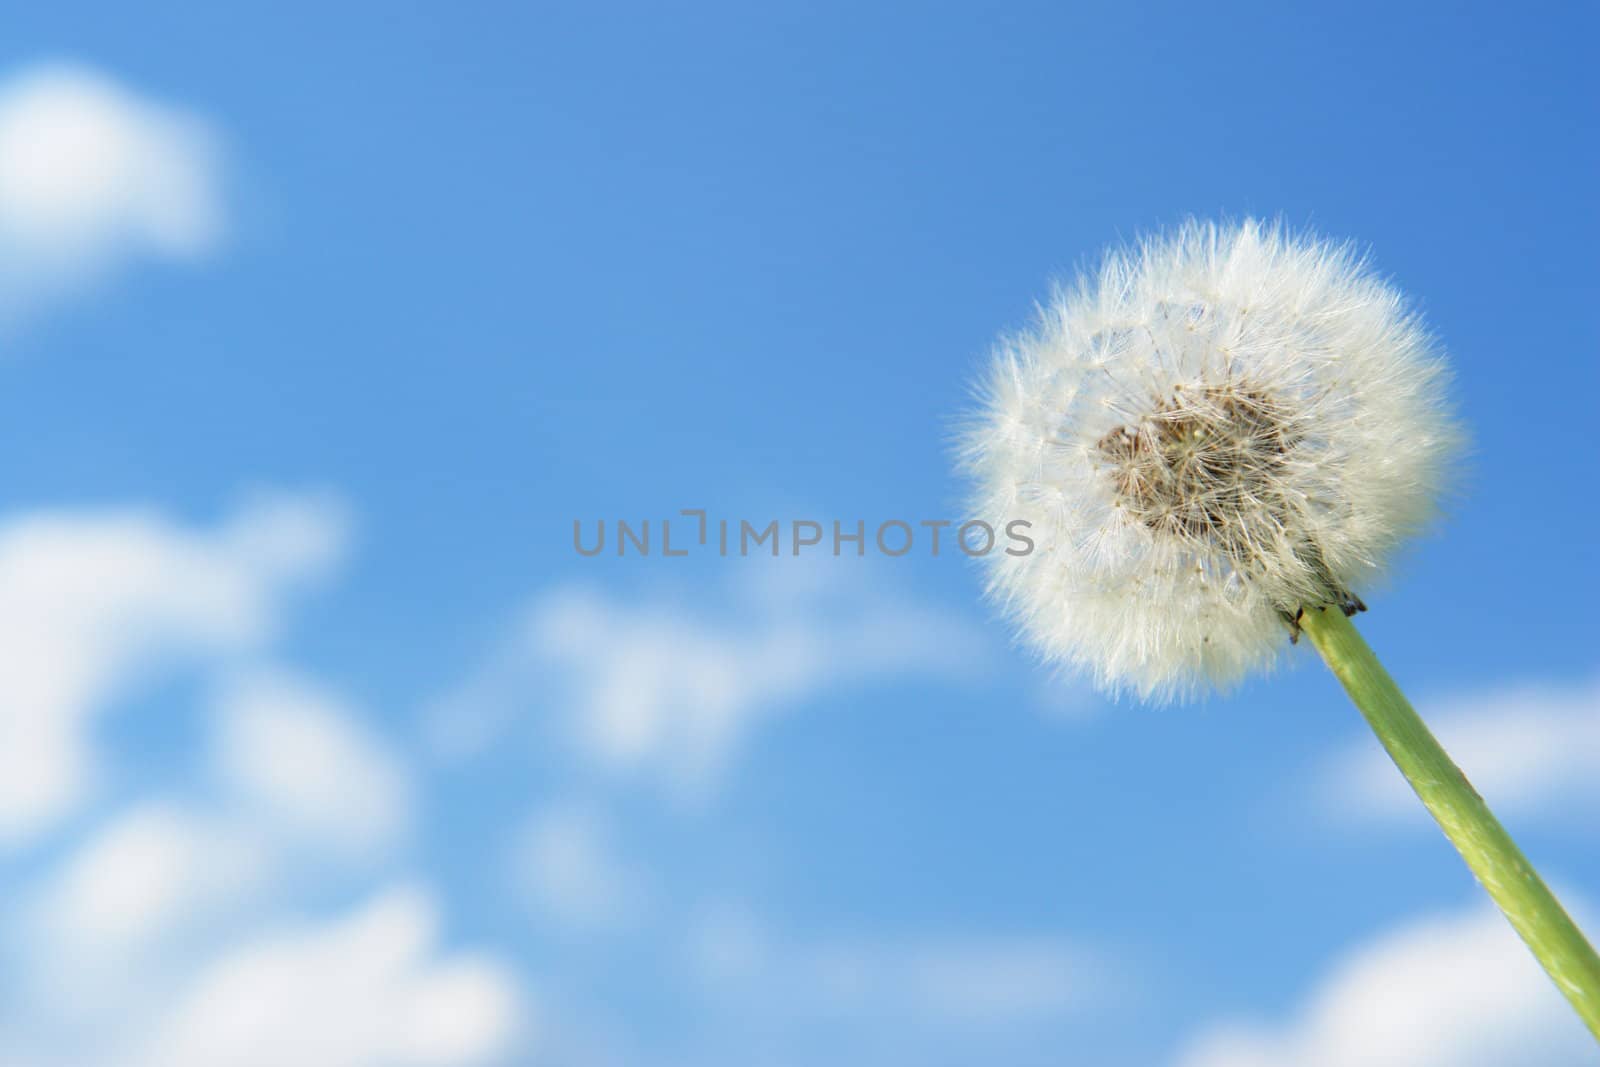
1466, 820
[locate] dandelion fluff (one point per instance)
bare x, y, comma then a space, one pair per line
1224, 426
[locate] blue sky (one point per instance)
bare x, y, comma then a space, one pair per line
336, 321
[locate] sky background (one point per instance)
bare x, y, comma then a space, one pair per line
319, 744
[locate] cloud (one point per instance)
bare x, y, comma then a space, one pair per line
669, 686
298, 756
158, 935
95, 936
152, 941
1531, 750
294, 775
988, 981
964, 981
93, 176
95, 601
760, 994
152, 869
564, 856
146, 943
295, 797
368, 990
1454, 990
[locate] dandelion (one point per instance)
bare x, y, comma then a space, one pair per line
1219, 440
1222, 428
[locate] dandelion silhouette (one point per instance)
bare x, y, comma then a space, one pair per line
1217, 440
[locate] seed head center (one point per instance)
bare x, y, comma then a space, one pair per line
1204, 464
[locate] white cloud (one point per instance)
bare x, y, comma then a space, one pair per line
93, 175
1529, 750
150, 942
152, 869
669, 687
565, 857
980, 980
369, 990
155, 938
963, 981
94, 601
99, 932
298, 777
298, 756
1457, 990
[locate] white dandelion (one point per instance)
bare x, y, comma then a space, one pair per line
1224, 426
1220, 439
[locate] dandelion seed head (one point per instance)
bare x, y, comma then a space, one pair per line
1221, 427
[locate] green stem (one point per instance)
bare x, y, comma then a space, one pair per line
1499, 865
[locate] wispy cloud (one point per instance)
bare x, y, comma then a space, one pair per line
1531, 750
365, 989
1451, 990
299, 756
668, 686
154, 943
94, 176
963, 979
566, 859
149, 870
191, 925
901, 996
96, 601
291, 776
370, 986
